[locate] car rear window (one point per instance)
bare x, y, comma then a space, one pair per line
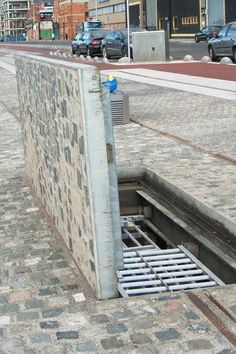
110, 35
98, 34
232, 31
215, 28
80, 35
223, 31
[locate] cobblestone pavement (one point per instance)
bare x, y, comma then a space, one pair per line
201, 120
42, 304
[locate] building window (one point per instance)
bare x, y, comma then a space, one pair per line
175, 23
191, 20
161, 23
107, 10
119, 8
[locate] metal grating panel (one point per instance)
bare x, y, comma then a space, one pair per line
149, 269
153, 271
119, 108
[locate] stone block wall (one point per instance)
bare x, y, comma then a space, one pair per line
65, 139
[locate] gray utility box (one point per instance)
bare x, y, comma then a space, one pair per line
150, 46
120, 108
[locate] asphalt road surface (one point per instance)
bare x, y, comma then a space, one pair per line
178, 48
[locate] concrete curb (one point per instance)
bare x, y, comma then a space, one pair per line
191, 201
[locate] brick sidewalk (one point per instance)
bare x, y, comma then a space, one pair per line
41, 306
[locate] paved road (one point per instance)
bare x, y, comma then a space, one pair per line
213, 70
178, 49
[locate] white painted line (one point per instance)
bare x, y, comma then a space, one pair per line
186, 79
8, 67
179, 82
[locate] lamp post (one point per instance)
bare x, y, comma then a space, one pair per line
128, 27
33, 17
96, 9
170, 19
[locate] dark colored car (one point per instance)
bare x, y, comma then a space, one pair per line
224, 44
115, 44
91, 43
207, 33
76, 42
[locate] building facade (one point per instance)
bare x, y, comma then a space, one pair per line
39, 23
13, 18
112, 12
180, 17
32, 22
68, 15
220, 11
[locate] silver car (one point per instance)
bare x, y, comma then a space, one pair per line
224, 44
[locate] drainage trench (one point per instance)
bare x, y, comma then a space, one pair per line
168, 247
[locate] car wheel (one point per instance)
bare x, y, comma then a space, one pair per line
212, 53
73, 51
234, 54
124, 51
78, 50
196, 39
89, 53
104, 52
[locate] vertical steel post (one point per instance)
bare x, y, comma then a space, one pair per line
170, 19
33, 10
207, 14
128, 27
96, 9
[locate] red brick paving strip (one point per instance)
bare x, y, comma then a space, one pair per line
214, 70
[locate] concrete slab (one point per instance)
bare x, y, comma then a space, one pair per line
193, 84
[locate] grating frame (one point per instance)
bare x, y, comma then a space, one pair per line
149, 269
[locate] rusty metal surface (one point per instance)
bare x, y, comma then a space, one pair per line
216, 313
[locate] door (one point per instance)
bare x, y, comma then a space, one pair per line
230, 40
220, 42
83, 44
110, 43
118, 44
134, 15
202, 34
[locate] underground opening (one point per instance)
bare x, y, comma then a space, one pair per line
169, 246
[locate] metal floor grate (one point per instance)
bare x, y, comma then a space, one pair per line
148, 269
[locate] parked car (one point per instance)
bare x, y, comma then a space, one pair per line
75, 43
91, 25
115, 44
91, 43
206, 33
224, 44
